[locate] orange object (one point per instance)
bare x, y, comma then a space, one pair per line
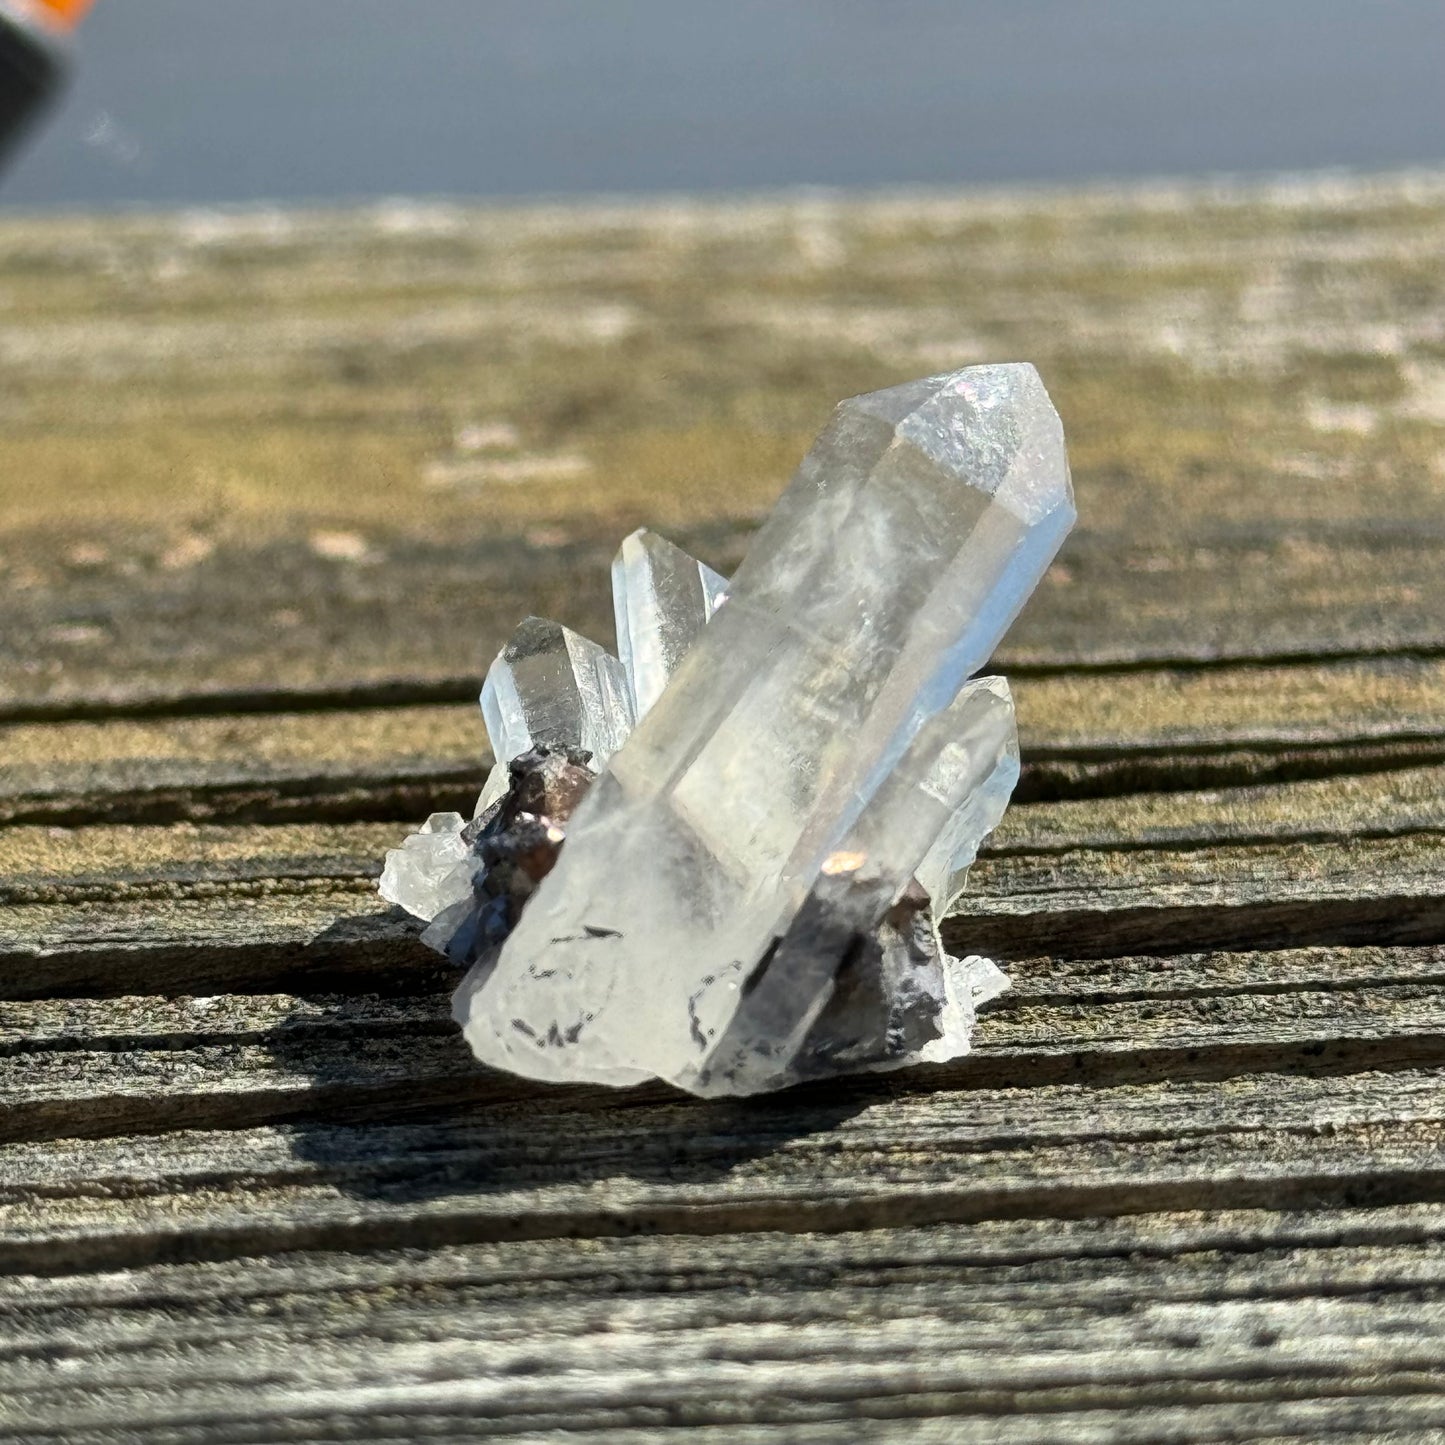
63, 14
34, 58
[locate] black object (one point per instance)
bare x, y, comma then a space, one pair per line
30, 74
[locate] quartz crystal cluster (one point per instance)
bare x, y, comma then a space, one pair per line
719, 858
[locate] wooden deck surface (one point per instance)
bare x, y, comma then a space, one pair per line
273, 487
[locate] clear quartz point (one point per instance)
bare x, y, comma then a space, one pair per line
552, 688
430, 871
944, 869
662, 599
951, 759
817, 714
499, 780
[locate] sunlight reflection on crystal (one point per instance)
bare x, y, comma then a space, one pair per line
824, 713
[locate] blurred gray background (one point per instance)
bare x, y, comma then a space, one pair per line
206, 101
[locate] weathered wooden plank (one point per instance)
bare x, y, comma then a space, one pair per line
1081, 733
47, 864
348, 765
1190, 1255
218, 1048
95, 1067
53, 864
1396, 1412
346, 454
210, 908
863, 1155
1085, 904
321, 937
1376, 805
1049, 1330
34, 1025
433, 625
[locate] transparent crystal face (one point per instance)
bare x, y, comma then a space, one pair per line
929, 797
662, 599
429, 872
943, 870
552, 688
822, 711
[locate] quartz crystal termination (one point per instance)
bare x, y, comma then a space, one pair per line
662, 599
550, 685
814, 747
552, 700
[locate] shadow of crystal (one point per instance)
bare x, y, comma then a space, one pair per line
379, 1098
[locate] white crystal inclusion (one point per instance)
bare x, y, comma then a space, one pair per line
429, 872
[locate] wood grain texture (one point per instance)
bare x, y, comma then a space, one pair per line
333, 455
1082, 734
1190, 1185
860, 1157
96, 1066
1233, 1325
318, 936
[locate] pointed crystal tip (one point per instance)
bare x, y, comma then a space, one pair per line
748, 889
992, 428
662, 599
552, 688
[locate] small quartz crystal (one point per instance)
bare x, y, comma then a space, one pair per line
551, 688
662, 598
720, 859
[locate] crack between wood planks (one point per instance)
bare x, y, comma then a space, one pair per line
460, 1085
415, 692
1362, 1187
1049, 775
